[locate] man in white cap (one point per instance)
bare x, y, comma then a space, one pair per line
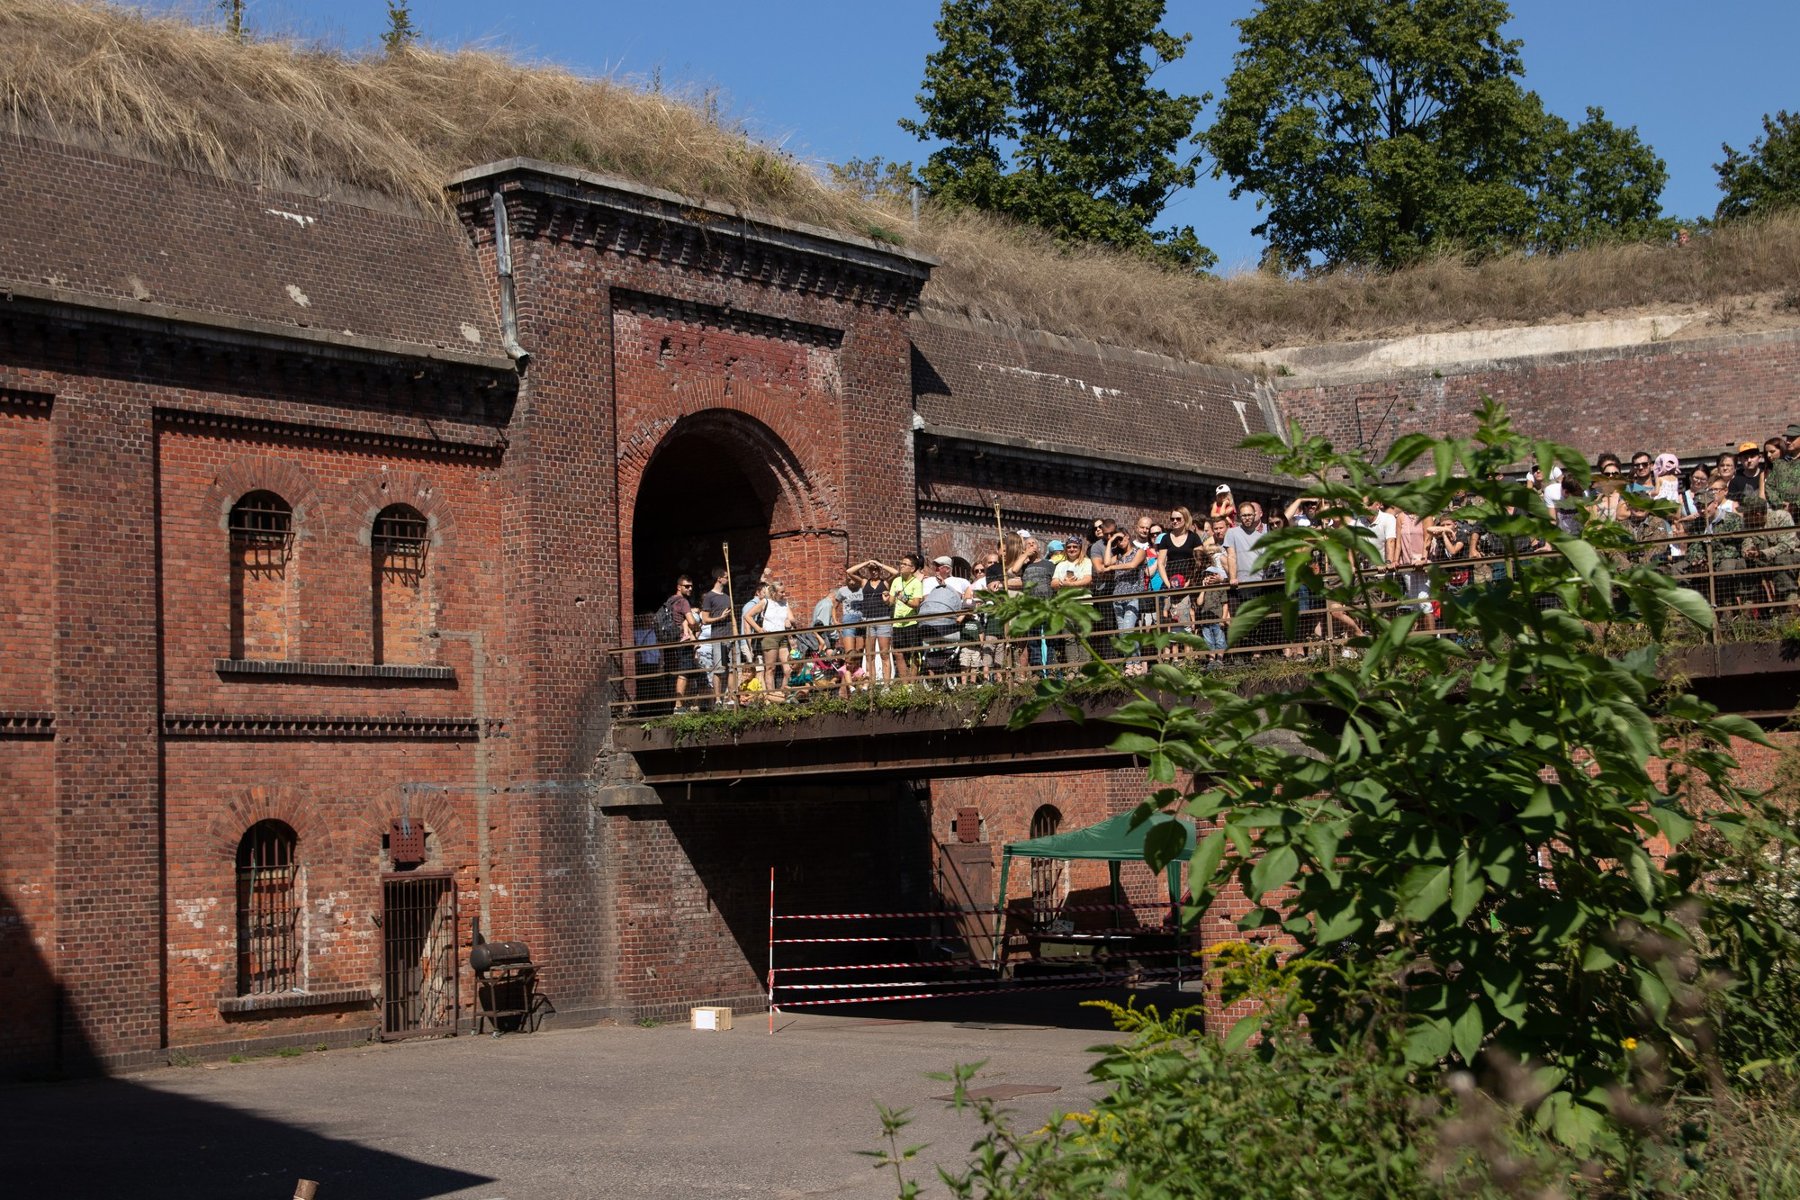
942, 568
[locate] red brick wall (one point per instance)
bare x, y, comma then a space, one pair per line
338, 799
1685, 397
330, 607
26, 643
28, 906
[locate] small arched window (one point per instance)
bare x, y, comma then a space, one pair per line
261, 529
398, 544
1049, 876
268, 910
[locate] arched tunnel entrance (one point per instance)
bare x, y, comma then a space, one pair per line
695, 498
721, 478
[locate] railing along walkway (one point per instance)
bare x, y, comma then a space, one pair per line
969, 648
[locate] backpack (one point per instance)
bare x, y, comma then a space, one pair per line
664, 625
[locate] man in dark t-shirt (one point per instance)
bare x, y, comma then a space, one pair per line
712, 622
679, 658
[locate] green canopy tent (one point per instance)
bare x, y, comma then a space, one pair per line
1113, 841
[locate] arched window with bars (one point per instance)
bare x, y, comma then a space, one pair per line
398, 549
261, 531
268, 910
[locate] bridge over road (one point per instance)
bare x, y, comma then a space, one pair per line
1757, 679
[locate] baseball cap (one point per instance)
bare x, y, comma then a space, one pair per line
1666, 464
1793, 431
943, 560
1747, 447
1023, 536
1054, 546
1224, 489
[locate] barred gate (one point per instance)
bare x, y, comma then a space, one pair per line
418, 960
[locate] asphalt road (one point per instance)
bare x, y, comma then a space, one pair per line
605, 1111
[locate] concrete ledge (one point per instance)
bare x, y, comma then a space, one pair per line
290, 1001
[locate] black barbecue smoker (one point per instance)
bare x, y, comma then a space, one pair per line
506, 986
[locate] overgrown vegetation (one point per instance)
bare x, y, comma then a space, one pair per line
1524, 927
393, 127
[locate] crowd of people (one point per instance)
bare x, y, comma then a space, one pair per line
1187, 572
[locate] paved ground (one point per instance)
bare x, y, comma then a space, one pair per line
599, 1112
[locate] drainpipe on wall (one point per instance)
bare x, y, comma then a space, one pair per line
509, 304
478, 698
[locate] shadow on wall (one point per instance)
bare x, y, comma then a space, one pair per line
863, 846
38, 1038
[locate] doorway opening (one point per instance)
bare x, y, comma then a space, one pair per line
418, 956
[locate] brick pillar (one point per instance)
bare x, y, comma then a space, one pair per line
108, 834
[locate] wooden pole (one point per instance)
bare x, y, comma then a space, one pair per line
731, 662
1000, 548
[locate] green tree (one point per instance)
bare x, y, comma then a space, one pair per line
1047, 114
1372, 131
234, 17
401, 32
1457, 831
875, 179
1766, 178
1602, 183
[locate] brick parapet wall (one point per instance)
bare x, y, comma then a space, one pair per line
1691, 397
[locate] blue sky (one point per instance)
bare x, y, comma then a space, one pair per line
828, 80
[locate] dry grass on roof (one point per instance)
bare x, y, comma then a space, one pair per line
278, 112
272, 110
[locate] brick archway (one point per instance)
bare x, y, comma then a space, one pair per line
719, 475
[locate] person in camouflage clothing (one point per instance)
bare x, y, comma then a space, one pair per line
1783, 485
1722, 555
1770, 544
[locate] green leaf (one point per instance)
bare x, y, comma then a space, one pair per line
1653, 992
1205, 862
1466, 886
1689, 604
1136, 743
1598, 958
1428, 1041
1423, 891
1273, 870
1674, 825
1163, 844
1570, 1122
1468, 1031
1637, 865
1241, 1032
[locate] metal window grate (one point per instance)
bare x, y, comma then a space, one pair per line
268, 910
262, 528
400, 538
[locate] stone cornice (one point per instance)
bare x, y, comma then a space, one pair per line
487, 454
1028, 462
238, 331
620, 217
401, 728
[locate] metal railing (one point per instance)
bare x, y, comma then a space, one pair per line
969, 647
